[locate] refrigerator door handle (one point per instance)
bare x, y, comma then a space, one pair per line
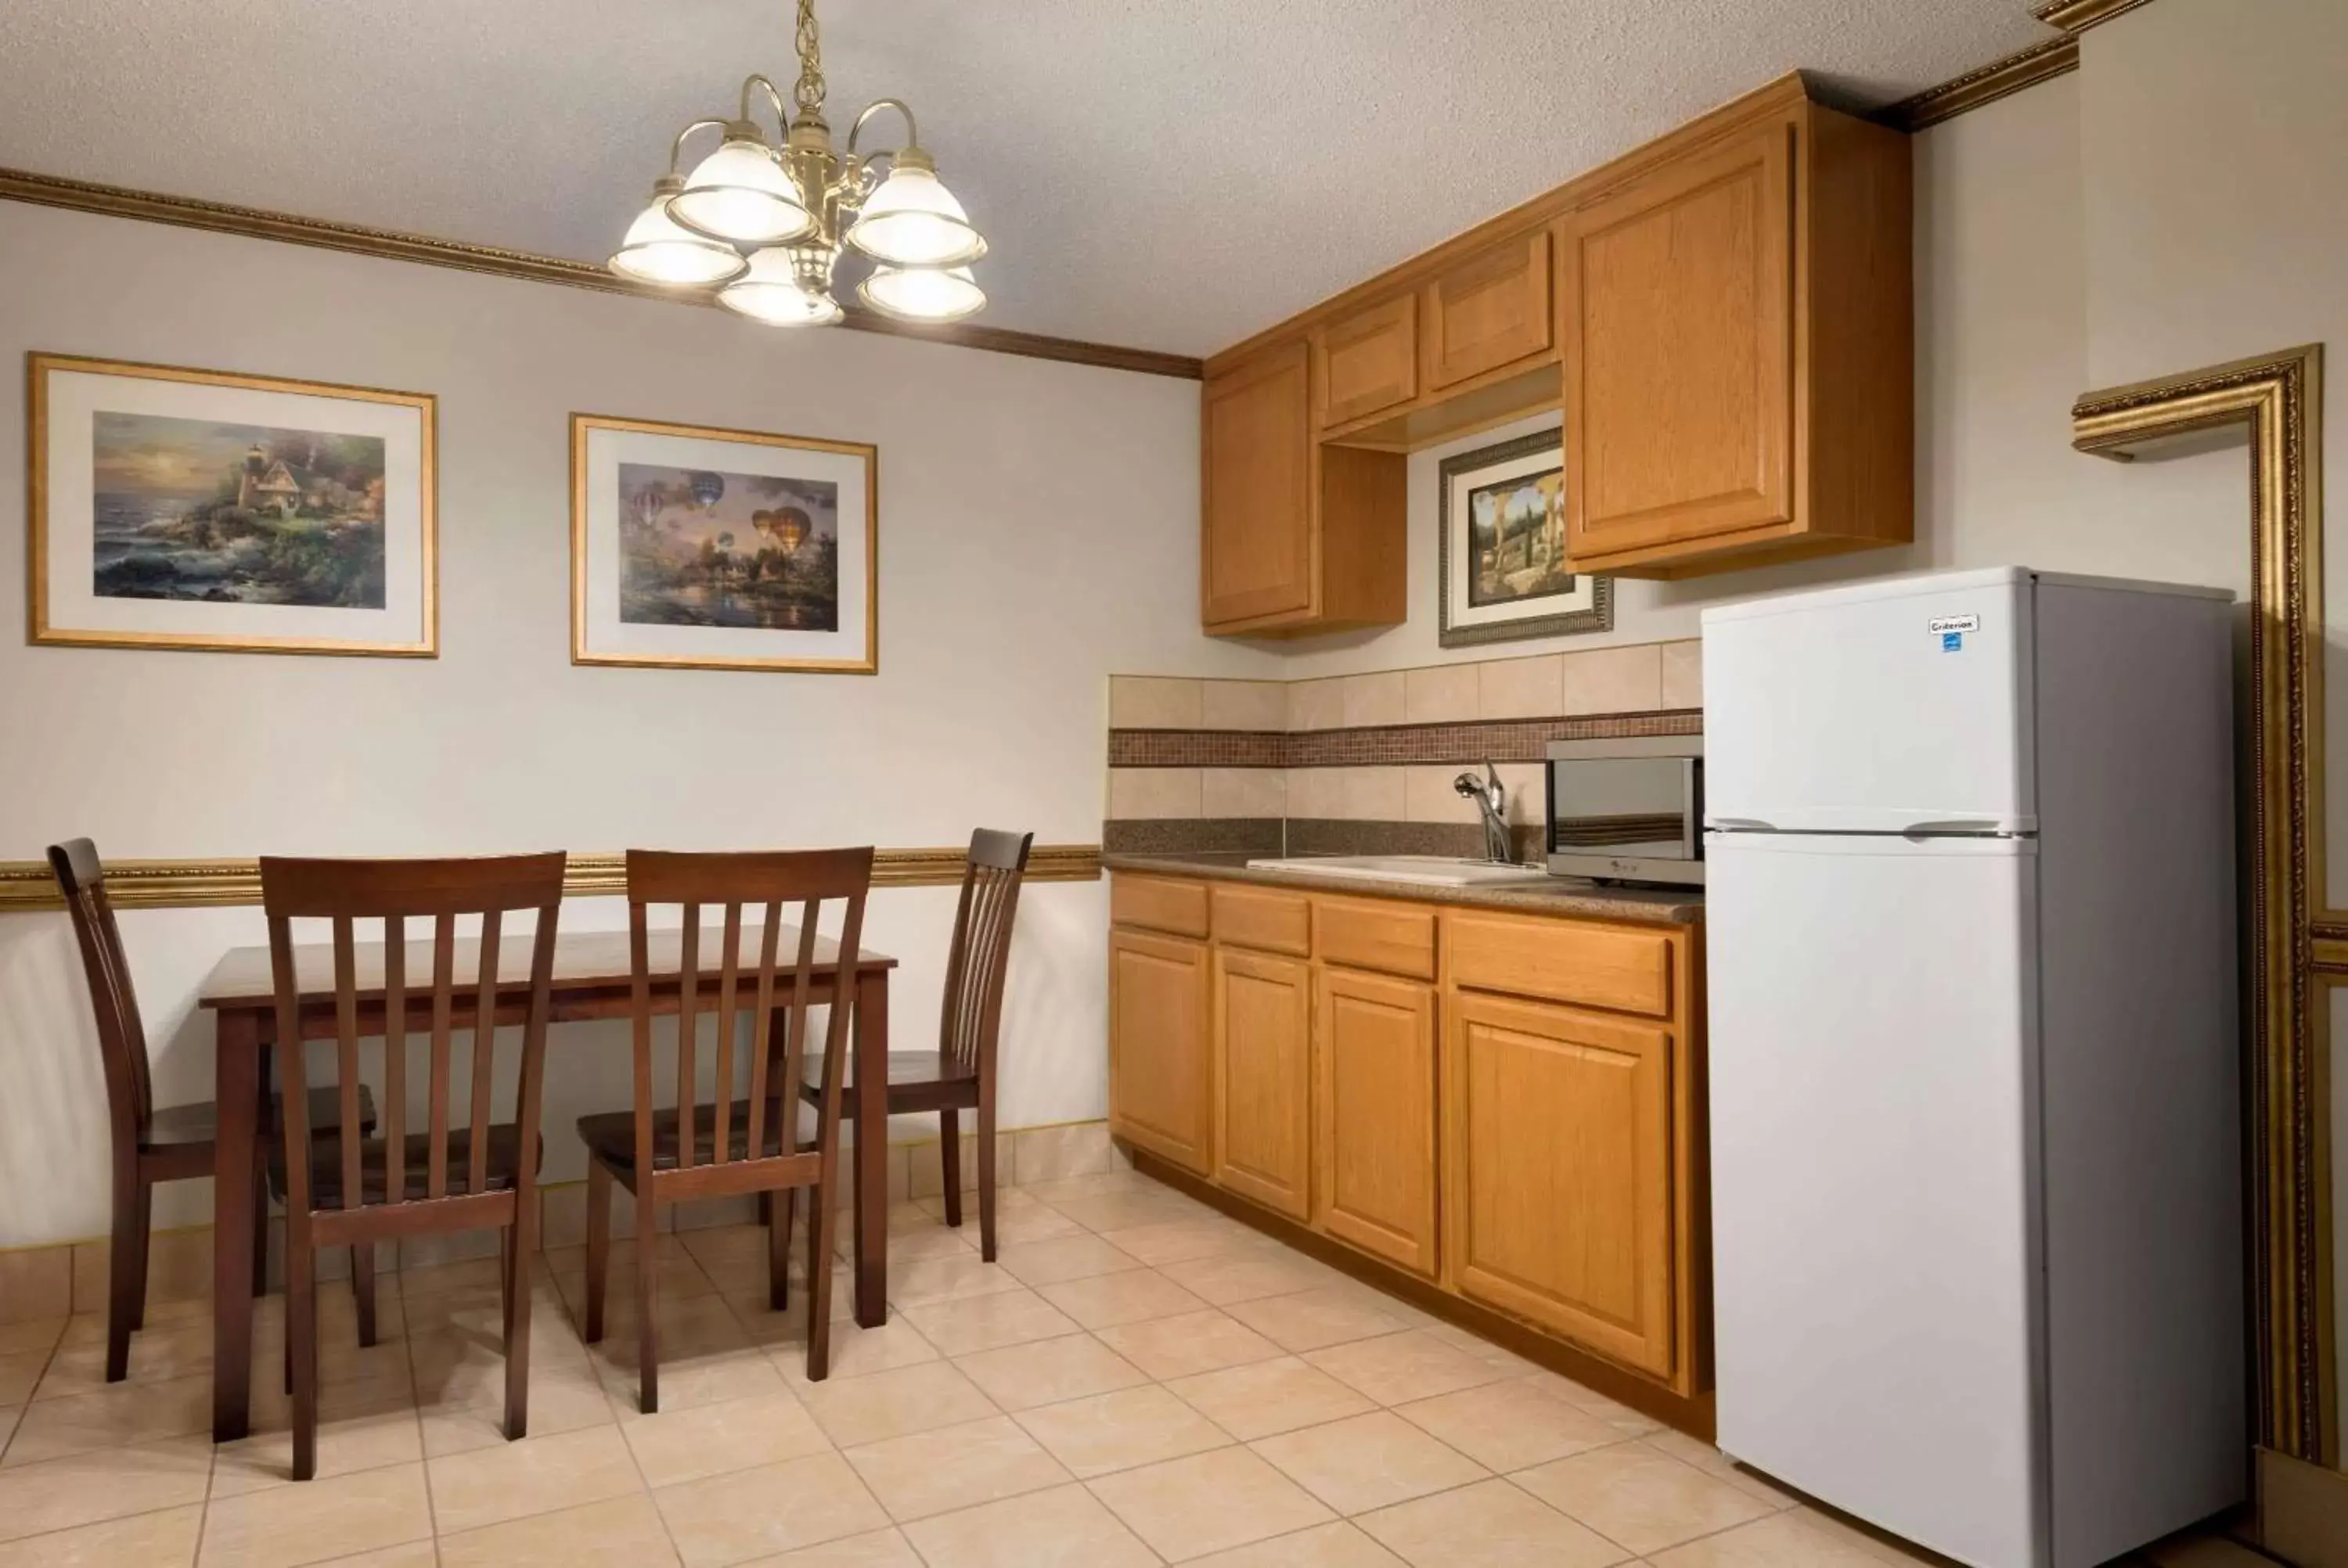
1738, 824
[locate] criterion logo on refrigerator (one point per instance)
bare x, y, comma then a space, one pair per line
1952, 629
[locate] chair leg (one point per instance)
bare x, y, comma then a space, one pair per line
363, 1287
950, 1155
302, 1352
124, 1283
986, 1142
599, 1245
778, 1248
520, 1242
146, 1252
260, 1225
766, 1208
823, 1216
647, 1297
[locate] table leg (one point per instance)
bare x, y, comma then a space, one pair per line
236, 1094
872, 1149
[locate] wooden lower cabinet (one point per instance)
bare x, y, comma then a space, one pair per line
1161, 1065
1558, 1140
1375, 1104
1263, 1079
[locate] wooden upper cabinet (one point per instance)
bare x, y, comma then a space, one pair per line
1489, 313
1374, 1107
1161, 1067
1366, 362
1264, 1086
1679, 353
1558, 1173
1256, 556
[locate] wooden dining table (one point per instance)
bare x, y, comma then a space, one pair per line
592, 979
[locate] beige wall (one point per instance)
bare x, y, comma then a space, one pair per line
1038, 528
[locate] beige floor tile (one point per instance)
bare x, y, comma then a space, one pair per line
622, 1532
1112, 1212
1108, 1300
439, 1279
1063, 1258
954, 1278
1314, 1319
988, 1322
739, 1434
775, 1508
536, 1475
1336, 1545
878, 1549
1186, 1508
1036, 1222
1622, 1418
318, 1521
1167, 1347
413, 1555
1063, 1528
21, 1376
472, 1416
1249, 1274
39, 1334
36, 1284
1188, 1240
1395, 1368
163, 1539
1780, 1540
954, 1468
111, 1483
364, 1426
1264, 1397
1713, 1462
1510, 1425
1368, 1461
1092, 1184
1047, 1371
853, 1411
1491, 1524
1120, 1431
1640, 1498
856, 1352
2198, 1552
119, 1415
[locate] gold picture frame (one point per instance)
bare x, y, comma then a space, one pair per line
850, 467
415, 503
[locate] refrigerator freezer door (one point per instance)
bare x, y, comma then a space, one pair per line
1867, 712
1873, 1025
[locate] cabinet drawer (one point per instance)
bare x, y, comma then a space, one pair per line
1156, 904
1392, 938
1489, 311
1268, 921
1563, 960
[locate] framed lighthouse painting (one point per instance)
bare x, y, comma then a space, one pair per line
171, 507
722, 550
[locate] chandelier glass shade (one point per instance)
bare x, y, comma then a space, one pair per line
766, 222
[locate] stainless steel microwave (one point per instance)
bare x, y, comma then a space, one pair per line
1629, 810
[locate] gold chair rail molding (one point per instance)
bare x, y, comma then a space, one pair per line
27, 884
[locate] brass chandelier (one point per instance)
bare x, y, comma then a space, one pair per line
766, 225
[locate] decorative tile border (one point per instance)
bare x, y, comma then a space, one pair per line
1499, 740
1199, 748
1194, 836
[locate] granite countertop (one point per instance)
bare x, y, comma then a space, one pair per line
1559, 896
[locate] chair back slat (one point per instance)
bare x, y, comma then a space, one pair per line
972, 1018
347, 891
802, 882
121, 1036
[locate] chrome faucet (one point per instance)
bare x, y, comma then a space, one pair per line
1492, 802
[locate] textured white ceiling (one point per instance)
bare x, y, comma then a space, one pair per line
1168, 174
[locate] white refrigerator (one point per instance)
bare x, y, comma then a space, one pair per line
1975, 1063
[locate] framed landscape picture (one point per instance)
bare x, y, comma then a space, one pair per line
1501, 571
722, 550
194, 509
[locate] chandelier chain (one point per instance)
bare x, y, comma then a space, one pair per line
809, 93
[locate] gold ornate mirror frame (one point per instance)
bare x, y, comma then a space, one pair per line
2298, 947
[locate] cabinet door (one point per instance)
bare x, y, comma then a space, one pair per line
1256, 542
1263, 1032
1376, 1109
1676, 314
1559, 1142
1367, 360
1489, 311
1160, 1063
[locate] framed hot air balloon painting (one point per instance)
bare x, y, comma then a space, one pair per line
702, 549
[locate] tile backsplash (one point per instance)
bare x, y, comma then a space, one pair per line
1364, 764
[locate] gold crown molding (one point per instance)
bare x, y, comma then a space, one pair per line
2076, 16
27, 884
2000, 78
2295, 945
388, 244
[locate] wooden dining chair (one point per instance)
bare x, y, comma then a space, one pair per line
151, 1145
448, 1177
693, 1149
960, 1074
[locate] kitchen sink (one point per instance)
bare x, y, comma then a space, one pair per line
1432, 870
